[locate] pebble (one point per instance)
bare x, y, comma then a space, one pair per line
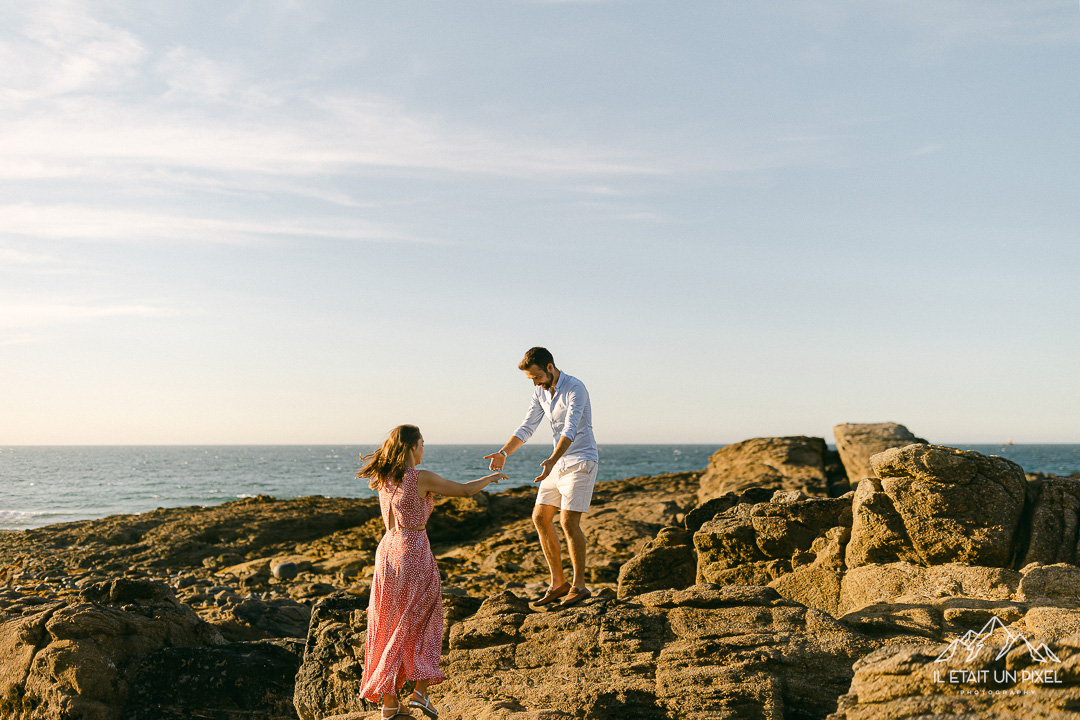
285, 571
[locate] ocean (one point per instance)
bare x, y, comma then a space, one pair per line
41, 485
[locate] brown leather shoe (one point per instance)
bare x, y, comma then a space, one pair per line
553, 594
576, 596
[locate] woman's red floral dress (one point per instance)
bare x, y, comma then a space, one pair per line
404, 615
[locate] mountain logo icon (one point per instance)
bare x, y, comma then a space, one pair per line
973, 643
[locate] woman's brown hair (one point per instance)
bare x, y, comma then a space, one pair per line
389, 462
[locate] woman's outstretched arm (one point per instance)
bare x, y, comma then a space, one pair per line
430, 482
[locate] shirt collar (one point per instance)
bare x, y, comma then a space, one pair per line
559, 384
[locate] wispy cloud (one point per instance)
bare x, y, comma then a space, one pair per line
75, 137
186, 110
55, 48
929, 149
10, 256
192, 75
76, 222
604, 190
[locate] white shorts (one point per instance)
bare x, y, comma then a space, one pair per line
570, 487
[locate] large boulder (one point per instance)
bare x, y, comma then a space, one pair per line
330, 675
931, 505
857, 442
1054, 530
902, 682
667, 561
758, 544
778, 463
77, 657
705, 511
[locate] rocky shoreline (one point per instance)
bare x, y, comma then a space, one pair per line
783, 581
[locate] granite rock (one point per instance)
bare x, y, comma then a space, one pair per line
1053, 532
760, 543
77, 657
668, 561
777, 463
933, 505
904, 682
870, 584
857, 442
1059, 583
703, 652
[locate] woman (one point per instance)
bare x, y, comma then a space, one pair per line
404, 616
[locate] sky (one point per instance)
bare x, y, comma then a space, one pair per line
308, 222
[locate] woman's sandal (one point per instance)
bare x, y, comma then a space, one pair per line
397, 713
425, 707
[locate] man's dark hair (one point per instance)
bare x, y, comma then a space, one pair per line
538, 356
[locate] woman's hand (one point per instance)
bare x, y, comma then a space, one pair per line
496, 477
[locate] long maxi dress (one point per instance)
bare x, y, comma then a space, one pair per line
404, 615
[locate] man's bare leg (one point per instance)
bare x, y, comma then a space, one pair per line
543, 516
575, 539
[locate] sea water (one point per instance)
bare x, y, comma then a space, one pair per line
42, 485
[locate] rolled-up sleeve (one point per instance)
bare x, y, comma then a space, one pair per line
532, 419
576, 400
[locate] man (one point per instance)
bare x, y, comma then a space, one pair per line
568, 475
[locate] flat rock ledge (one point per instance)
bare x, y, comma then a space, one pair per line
703, 652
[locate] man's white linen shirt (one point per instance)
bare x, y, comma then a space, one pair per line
570, 413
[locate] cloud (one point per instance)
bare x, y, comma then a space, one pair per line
59, 48
10, 256
191, 75
929, 149
77, 222
312, 135
81, 98
596, 190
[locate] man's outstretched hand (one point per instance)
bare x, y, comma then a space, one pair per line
497, 461
547, 465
